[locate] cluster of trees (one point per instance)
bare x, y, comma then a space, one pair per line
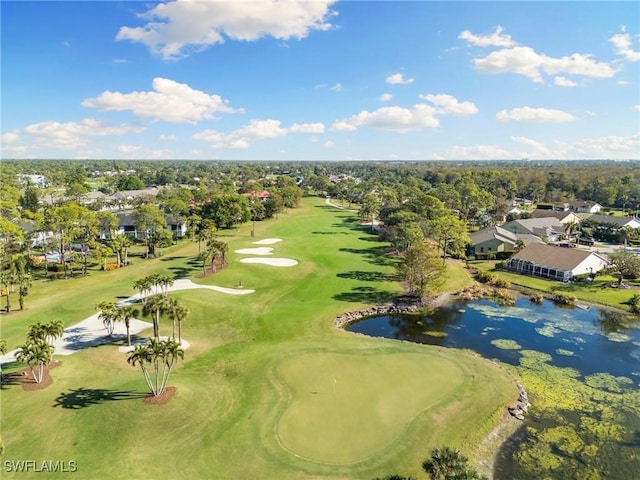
157, 357
37, 351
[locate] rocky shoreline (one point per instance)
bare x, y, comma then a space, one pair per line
402, 305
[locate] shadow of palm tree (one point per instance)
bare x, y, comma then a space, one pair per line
85, 397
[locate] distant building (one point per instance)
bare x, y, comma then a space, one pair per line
548, 227
564, 216
619, 222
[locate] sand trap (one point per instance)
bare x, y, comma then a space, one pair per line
256, 251
267, 241
274, 262
186, 284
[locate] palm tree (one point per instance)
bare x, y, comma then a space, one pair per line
162, 355
24, 282
141, 355
519, 245
108, 315
126, 313
143, 286
52, 330
207, 255
177, 312
445, 463
155, 305
165, 281
36, 353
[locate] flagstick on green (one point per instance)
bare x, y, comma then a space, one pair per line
335, 380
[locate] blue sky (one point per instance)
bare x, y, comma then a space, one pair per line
320, 80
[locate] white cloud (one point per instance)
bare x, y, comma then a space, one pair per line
128, 148
170, 101
337, 88
622, 82
169, 137
526, 61
528, 114
478, 152
449, 105
606, 148
496, 39
307, 128
120, 60
255, 130
539, 148
611, 147
398, 79
564, 82
329, 144
385, 97
622, 42
72, 135
9, 137
176, 28
637, 107
396, 119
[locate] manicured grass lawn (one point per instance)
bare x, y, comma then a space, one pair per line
244, 407
599, 291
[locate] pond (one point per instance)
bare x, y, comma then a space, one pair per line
580, 366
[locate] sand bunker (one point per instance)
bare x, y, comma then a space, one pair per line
274, 262
256, 251
267, 241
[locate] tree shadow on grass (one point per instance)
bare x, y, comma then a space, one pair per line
368, 276
365, 295
192, 267
374, 255
78, 398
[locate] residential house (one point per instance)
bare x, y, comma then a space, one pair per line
547, 227
493, 240
581, 206
127, 226
497, 240
565, 217
556, 263
258, 195
618, 222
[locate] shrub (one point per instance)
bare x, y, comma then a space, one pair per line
634, 303
536, 298
503, 297
500, 283
485, 277
564, 299
111, 266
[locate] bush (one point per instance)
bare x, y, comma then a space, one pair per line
485, 277
111, 266
634, 304
564, 299
536, 298
500, 283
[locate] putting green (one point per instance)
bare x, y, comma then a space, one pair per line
346, 408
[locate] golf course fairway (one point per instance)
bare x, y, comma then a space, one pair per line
268, 388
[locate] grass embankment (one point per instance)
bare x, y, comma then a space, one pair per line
599, 291
245, 406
